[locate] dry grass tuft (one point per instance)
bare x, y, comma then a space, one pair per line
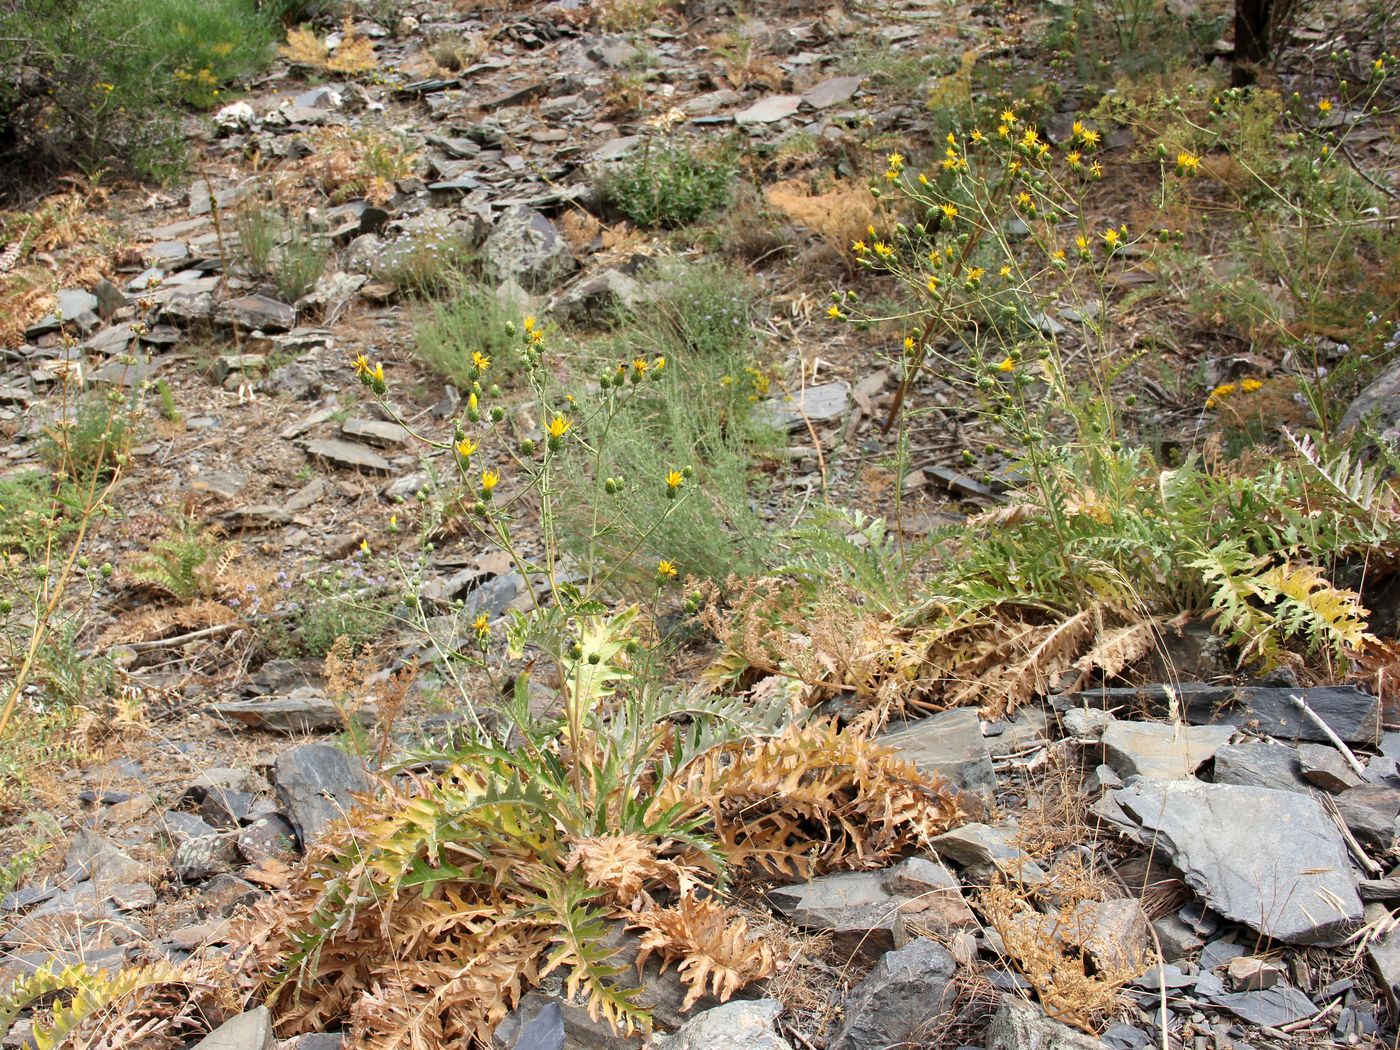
839, 214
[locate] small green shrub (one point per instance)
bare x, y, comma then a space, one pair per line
99, 84
348, 604
669, 186
34, 509
180, 562
290, 251
472, 317
94, 440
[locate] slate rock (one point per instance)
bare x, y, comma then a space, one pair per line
304, 710
832, 92
316, 783
816, 404
1378, 404
948, 744
1260, 764
182, 827
249, 1031
1112, 932
1272, 860
1353, 714
769, 110
93, 856
983, 849
258, 312
1161, 750
349, 454
1383, 953
1271, 1007
268, 838
1020, 1025
862, 915
1323, 766
225, 894
737, 1025
197, 859
1370, 813
599, 297
931, 897
539, 1029
899, 999
378, 432
526, 247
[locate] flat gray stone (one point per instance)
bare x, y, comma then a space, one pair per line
1378, 404
526, 247
378, 432
932, 896
1260, 764
258, 312
250, 1031
949, 744
817, 404
316, 782
1270, 1007
897, 1002
862, 915
769, 110
981, 848
1323, 766
1383, 953
737, 1025
304, 710
1272, 860
832, 92
349, 454
1160, 750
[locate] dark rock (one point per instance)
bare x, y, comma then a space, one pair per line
1020, 1025
250, 1031
378, 432
1378, 404
225, 894
296, 380
197, 859
983, 850
1321, 765
1112, 932
931, 896
1354, 715
92, 856
1271, 860
1383, 953
601, 297
948, 744
1279, 1005
896, 1002
1260, 764
863, 917
1370, 814
541, 1028
316, 783
181, 827
1387, 889
268, 838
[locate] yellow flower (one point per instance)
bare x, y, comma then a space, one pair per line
923, 179
833, 311
1096, 170
537, 336
1030, 138
908, 343
1082, 243
977, 136
951, 139
1023, 198
1324, 105
1249, 386
364, 546
481, 360
1078, 129
530, 323
665, 570
472, 402
639, 364
559, 426
1005, 271
659, 363
362, 367
1112, 238
674, 480
891, 174
482, 626
932, 283
1008, 116
1187, 163
975, 274
859, 247
1058, 255
489, 480
1220, 393
950, 210
883, 250
466, 448
1073, 157
1091, 138
1006, 365
896, 160
1003, 130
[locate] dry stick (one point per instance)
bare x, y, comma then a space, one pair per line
1337, 741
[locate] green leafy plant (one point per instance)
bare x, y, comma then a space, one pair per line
669, 185
471, 315
184, 564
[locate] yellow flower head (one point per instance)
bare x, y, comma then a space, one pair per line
481, 360
1008, 117
1112, 238
640, 364
472, 402
1006, 365
489, 480
674, 479
977, 136
1091, 138
1073, 157
362, 367
658, 364
665, 570
482, 626
932, 283
1082, 243
1030, 138
1324, 105
1078, 129
908, 342
1249, 386
975, 274
1005, 271
466, 448
1187, 163
833, 311
558, 426
530, 323
883, 250
950, 210
896, 160
859, 247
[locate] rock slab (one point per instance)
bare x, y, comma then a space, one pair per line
736, 1025
899, 999
316, 782
1271, 860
